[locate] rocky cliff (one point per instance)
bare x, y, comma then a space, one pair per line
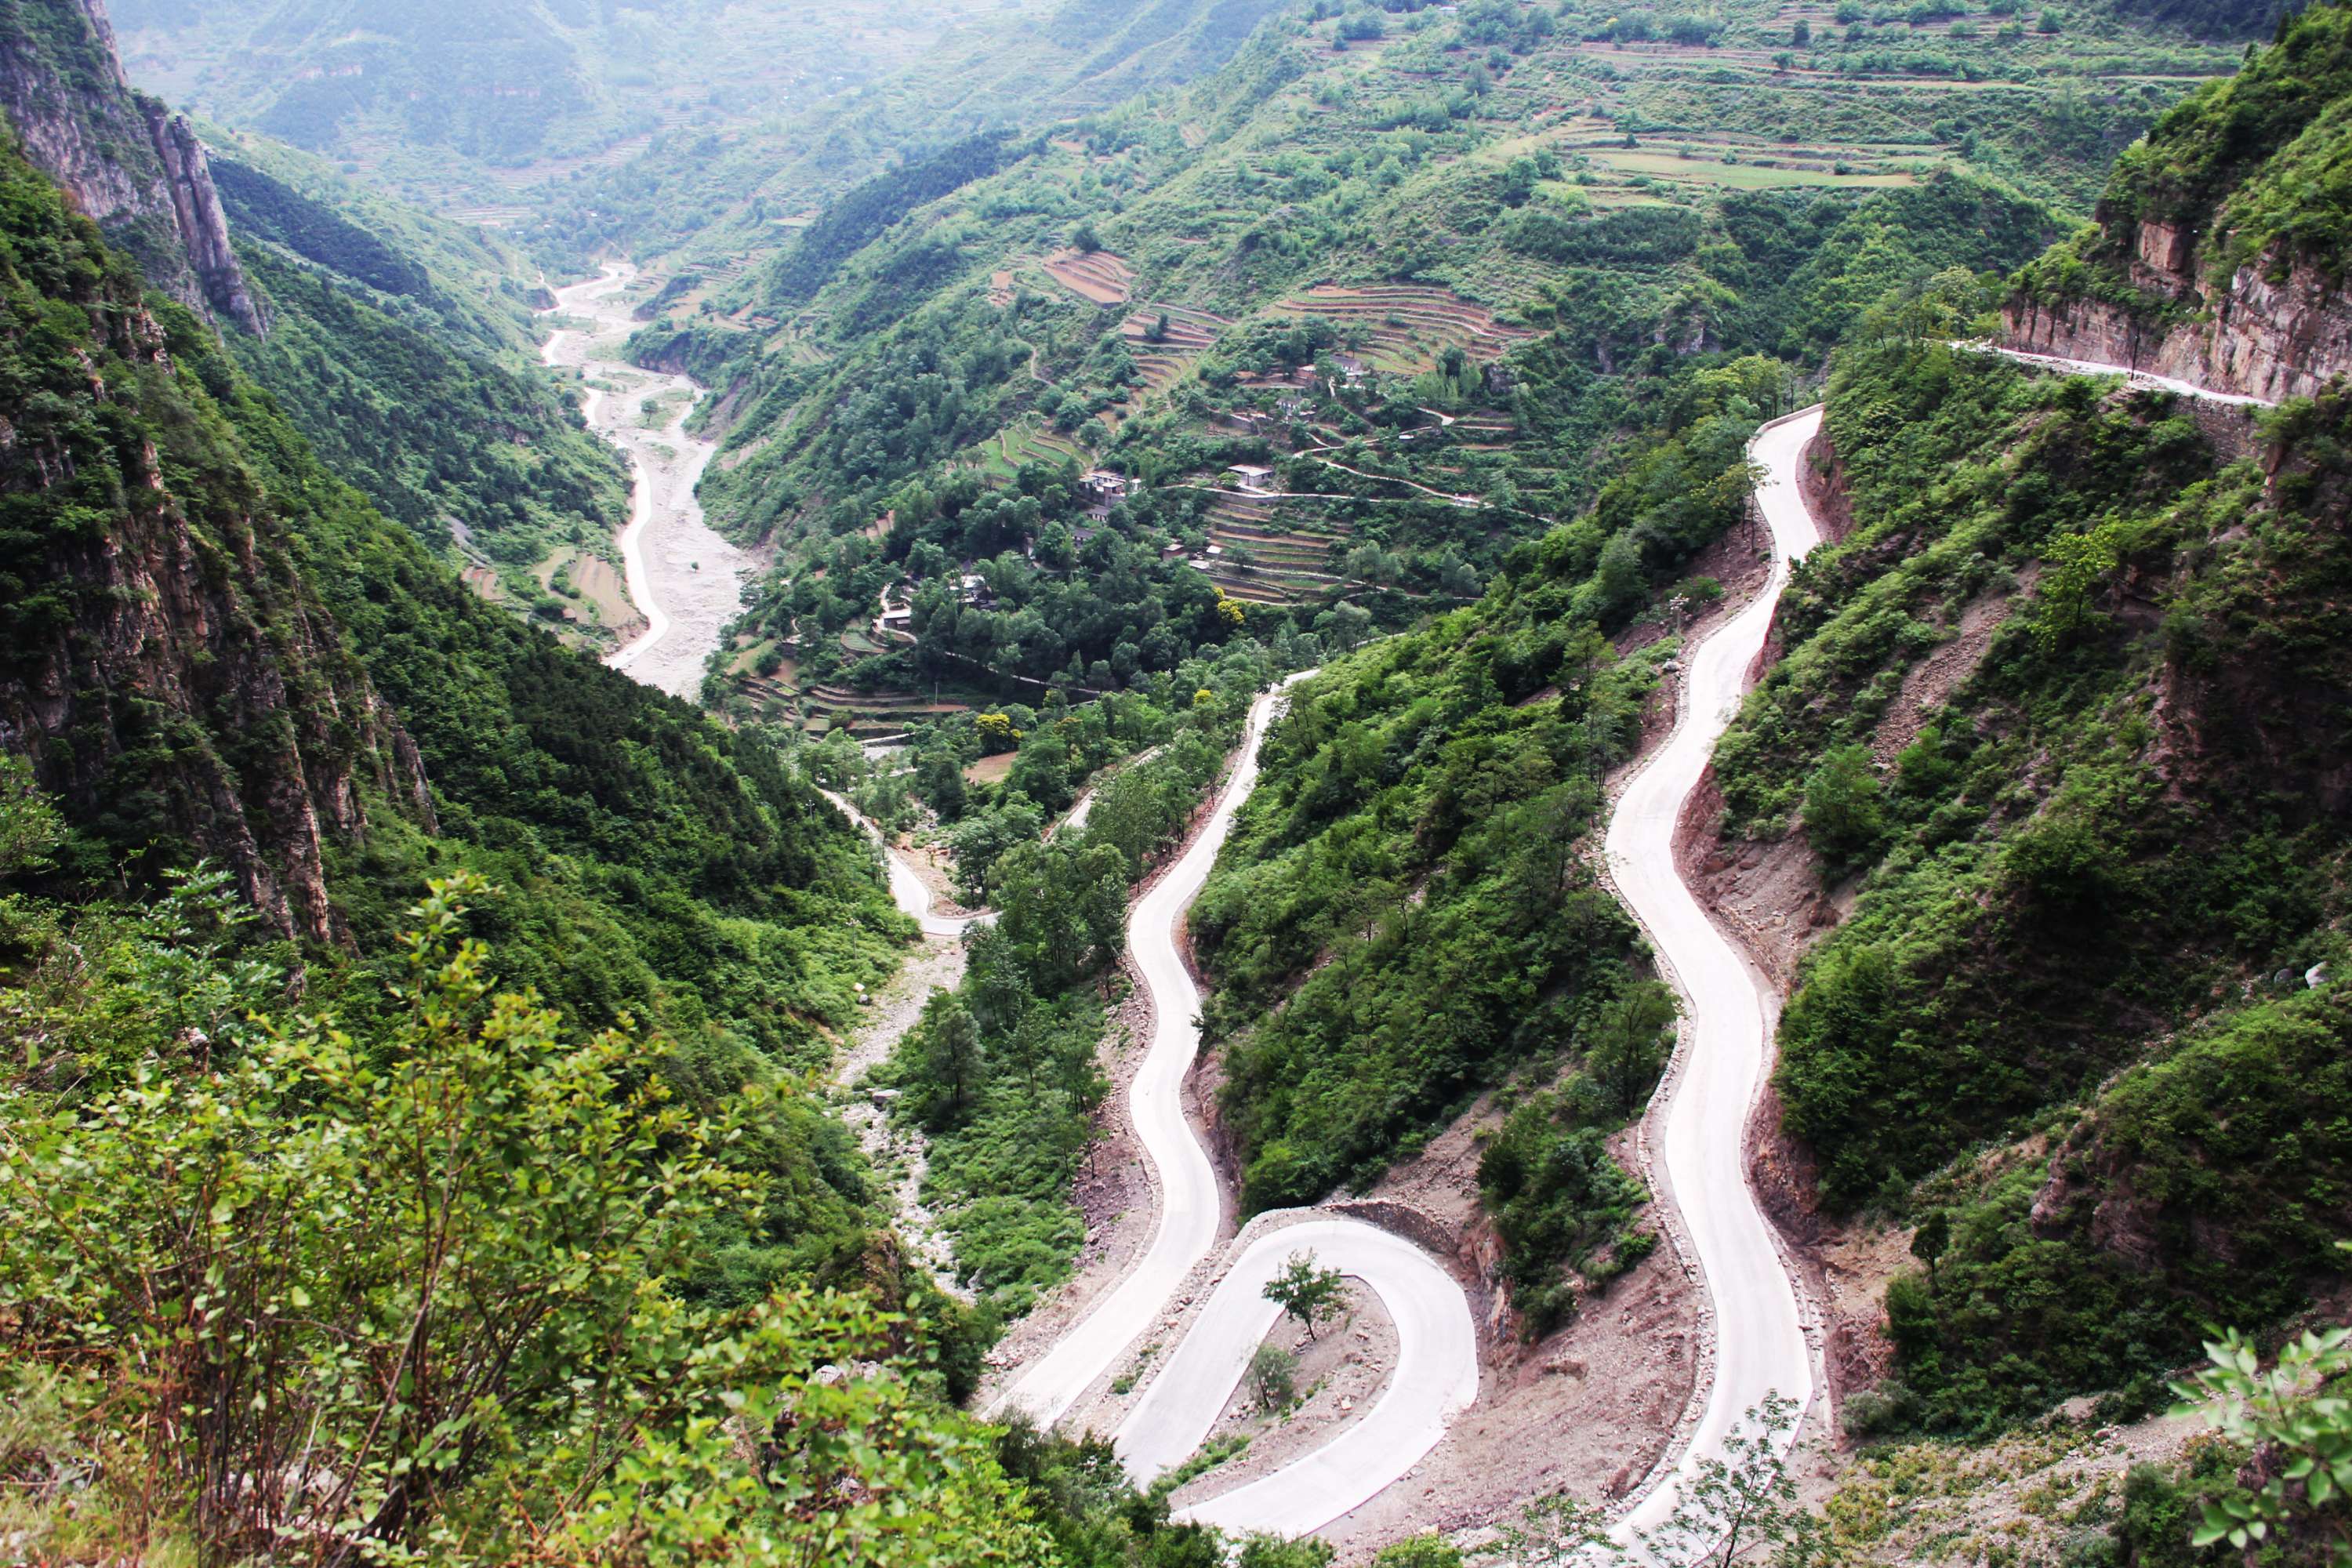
2275, 329
125, 158
163, 659
2217, 253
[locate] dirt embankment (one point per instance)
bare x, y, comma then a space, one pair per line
1821, 479
1588, 1409
1768, 895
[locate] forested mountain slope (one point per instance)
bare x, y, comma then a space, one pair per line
277, 641
707, 199
1422, 267
643, 125
504, 82
395, 342
2094, 873
479, 1230
2055, 737
366, 336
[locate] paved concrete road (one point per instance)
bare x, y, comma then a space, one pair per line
908, 890
1437, 1362
1191, 1204
1436, 1379
1729, 1009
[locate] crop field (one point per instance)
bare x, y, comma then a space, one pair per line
1166, 339
1709, 169
1406, 327
1096, 276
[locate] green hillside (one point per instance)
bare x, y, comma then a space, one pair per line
379, 312
1078, 367
531, 1129
1427, 270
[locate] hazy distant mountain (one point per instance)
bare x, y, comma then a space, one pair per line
506, 81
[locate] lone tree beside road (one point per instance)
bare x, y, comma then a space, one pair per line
1309, 1294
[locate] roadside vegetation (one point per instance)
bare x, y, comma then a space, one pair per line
1005, 1075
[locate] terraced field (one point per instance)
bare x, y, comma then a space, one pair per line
1029, 442
1096, 275
1189, 333
1406, 327
872, 712
1290, 557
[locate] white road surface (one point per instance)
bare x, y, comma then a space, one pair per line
1728, 1011
2138, 377
1192, 1204
1730, 1008
908, 890
1436, 1379
1437, 1368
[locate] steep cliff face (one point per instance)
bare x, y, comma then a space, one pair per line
2277, 329
2219, 251
126, 160
162, 660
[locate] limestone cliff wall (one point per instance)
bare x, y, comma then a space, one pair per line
129, 162
187, 679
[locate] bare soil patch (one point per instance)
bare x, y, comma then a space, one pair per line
1821, 481
1767, 894
1934, 678
991, 770
1097, 276
1589, 1409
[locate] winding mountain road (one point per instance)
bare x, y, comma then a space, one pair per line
1437, 1374
1729, 1009
1700, 1123
907, 889
2138, 377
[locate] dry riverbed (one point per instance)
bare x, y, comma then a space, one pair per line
684, 578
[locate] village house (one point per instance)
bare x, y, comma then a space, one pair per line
1252, 477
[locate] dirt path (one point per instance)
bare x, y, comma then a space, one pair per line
685, 579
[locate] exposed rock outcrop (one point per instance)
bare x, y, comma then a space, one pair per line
181, 676
125, 158
164, 663
2274, 331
